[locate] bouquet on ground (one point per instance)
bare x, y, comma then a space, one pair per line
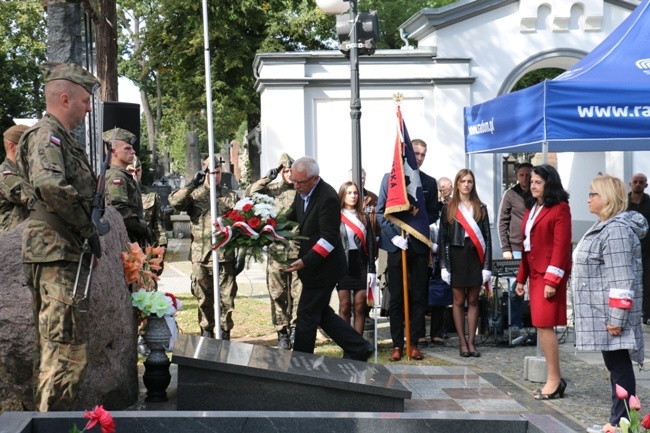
252, 225
141, 267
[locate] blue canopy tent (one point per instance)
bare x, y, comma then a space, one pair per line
602, 103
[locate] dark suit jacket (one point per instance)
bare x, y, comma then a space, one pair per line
390, 230
430, 191
322, 253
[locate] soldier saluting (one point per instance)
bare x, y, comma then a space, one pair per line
57, 167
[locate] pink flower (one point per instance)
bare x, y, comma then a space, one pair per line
101, 416
634, 403
621, 393
645, 423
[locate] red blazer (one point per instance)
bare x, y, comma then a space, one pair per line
550, 245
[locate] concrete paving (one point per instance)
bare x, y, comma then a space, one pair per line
492, 384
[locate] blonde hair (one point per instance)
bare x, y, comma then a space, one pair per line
612, 192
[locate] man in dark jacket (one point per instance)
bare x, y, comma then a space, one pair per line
639, 201
321, 264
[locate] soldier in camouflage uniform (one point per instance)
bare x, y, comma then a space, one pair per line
121, 189
195, 200
57, 167
152, 205
284, 287
14, 191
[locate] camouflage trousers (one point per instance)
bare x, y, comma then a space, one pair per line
284, 291
60, 354
203, 291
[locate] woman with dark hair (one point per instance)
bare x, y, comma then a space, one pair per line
465, 255
546, 264
359, 245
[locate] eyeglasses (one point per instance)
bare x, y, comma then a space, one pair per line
593, 194
301, 182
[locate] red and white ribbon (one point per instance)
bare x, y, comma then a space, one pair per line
269, 229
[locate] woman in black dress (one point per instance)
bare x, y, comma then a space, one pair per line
359, 244
465, 255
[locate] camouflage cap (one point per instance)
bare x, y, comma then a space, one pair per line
206, 162
71, 72
14, 133
120, 134
286, 161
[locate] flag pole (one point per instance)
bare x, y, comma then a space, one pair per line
405, 290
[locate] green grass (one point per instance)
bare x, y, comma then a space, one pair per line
252, 319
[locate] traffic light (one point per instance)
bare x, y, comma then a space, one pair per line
367, 32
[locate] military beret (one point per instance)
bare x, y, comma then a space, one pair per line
14, 133
286, 161
71, 72
120, 134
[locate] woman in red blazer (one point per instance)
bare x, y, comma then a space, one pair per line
546, 264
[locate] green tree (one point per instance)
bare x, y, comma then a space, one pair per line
22, 49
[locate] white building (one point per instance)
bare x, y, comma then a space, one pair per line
468, 52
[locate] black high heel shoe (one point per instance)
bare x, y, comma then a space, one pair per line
558, 393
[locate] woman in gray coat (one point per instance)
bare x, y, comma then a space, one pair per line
608, 289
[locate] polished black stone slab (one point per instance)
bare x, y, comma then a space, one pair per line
249, 422
224, 375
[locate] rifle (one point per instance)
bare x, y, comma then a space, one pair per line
97, 209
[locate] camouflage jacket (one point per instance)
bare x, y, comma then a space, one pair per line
153, 215
57, 168
196, 202
14, 194
122, 193
284, 194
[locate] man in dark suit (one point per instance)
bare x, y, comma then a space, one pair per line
321, 264
417, 256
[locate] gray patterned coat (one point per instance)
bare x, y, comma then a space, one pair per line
609, 256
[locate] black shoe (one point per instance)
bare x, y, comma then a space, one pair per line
283, 340
225, 335
559, 392
207, 334
364, 355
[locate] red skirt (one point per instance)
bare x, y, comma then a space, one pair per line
546, 313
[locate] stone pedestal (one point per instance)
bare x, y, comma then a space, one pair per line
535, 369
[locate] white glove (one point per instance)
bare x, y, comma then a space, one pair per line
433, 231
400, 242
434, 248
372, 281
486, 275
445, 275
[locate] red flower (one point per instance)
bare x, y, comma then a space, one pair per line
238, 217
101, 416
645, 423
254, 223
271, 222
247, 207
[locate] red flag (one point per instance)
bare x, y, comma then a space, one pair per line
405, 205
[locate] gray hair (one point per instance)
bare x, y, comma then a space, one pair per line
308, 164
